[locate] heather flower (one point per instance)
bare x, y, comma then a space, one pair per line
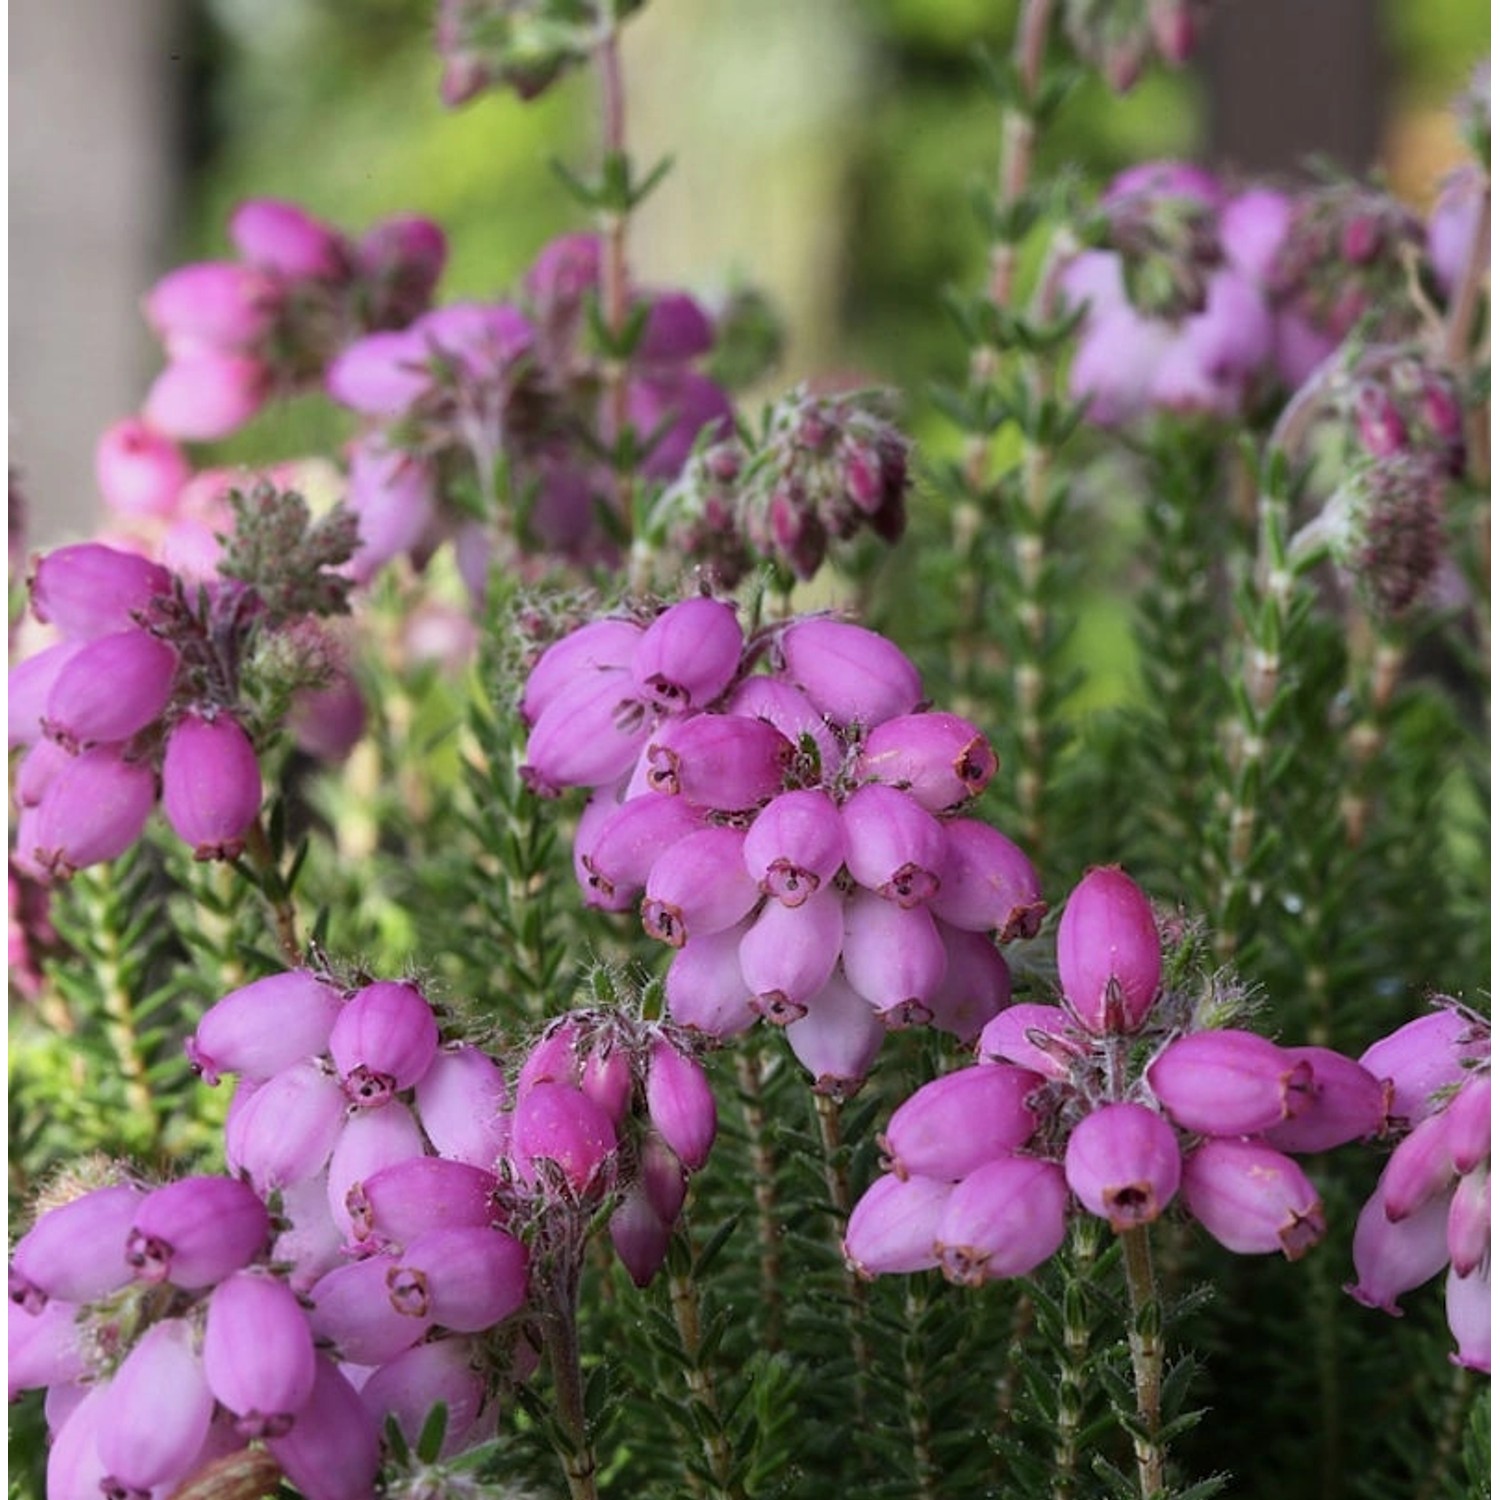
265, 1026
210, 785
285, 1129
194, 1232
75, 1253
679, 1103
370, 1140
1108, 953
258, 1353
410, 1385
1253, 1200
960, 1121
332, 1452
1003, 1219
1229, 1083
1123, 1163
894, 1226
836, 1039
1119, 39
89, 590
93, 811
384, 1039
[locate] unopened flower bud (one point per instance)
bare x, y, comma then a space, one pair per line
1421, 1167
640, 1236
206, 395
258, 1352
1032, 1036
1229, 1082
1108, 952
680, 1103
265, 1026
851, 674
561, 1126
210, 785
383, 1041
1124, 1164
280, 236
140, 472
893, 1229
1469, 1222
75, 1252
1468, 1117
89, 590
688, 655
194, 1232
940, 760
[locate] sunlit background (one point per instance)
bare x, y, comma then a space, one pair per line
827, 151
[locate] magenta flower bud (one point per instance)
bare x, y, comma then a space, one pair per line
1039, 1037
719, 761
607, 1078
210, 785
205, 395
789, 954
893, 1229
851, 674
93, 811
1253, 1200
895, 848
89, 590
564, 272
258, 1353
42, 1348
1123, 1164
404, 256
481, 340
589, 734
561, 1126
393, 495
408, 1198
940, 760
1420, 1058
791, 711
597, 646
1004, 1219
1381, 429
75, 1252
1468, 1303
1468, 1117
383, 1041
706, 989
1229, 1082
263, 1027
282, 237
327, 722
988, 885
113, 688
663, 1178
688, 655
894, 957
1419, 1168
640, 1236
1391, 1259
381, 375
796, 845
461, 1099
368, 1310
1108, 952
680, 1103
409, 1386
1452, 225
1469, 1221
698, 886
284, 1132
28, 686
193, 1233
140, 472
960, 1121
677, 329
218, 303
156, 1410
556, 1057
74, 1469
471, 1278
1252, 228
332, 1451
837, 1039
1347, 1104
614, 857
371, 1140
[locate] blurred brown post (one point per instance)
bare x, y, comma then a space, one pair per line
1289, 78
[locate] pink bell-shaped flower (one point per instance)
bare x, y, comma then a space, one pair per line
698, 886
688, 655
409, 1386
837, 1039
283, 1132
1420, 1058
75, 1252
614, 855
790, 710
258, 1353
140, 472
1108, 952
217, 303
1229, 1082
1468, 1300
114, 687
1469, 1221
719, 761
597, 646
371, 1140
461, 1099
1004, 1219
1391, 1258
1123, 1164
796, 845
561, 1126
194, 1232
206, 395
851, 674
640, 1236
1347, 1104
988, 884
210, 784
1419, 1168
474, 1277
381, 375
589, 734
893, 1228
332, 1451
265, 1026
893, 956
281, 237
93, 811
960, 1121
1253, 1200
89, 590
383, 1041
680, 1103
940, 760
789, 954
895, 848
368, 1311
706, 989
410, 1197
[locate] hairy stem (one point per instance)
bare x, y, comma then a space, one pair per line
560, 1332
836, 1177
283, 912
1146, 1359
918, 1415
1072, 1378
119, 1010
688, 1317
767, 1217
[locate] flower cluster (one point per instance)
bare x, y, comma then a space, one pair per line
1119, 39
1431, 1207
792, 833
150, 675
475, 392
1128, 1094
824, 469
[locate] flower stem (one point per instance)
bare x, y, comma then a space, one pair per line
836, 1176
688, 1316
767, 1219
1146, 1359
283, 912
119, 1011
918, 1415
560, 1332
1072, 1378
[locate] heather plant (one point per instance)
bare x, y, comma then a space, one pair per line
654, 976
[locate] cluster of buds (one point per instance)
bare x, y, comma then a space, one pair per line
1128, 1094
1177, 317
150, 677
473, 389
824, 469
792, 834
1401, 404
168, 1339
1119, 39
522, 45
610, 1108
1344, 256
1431, 1207
237, 332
